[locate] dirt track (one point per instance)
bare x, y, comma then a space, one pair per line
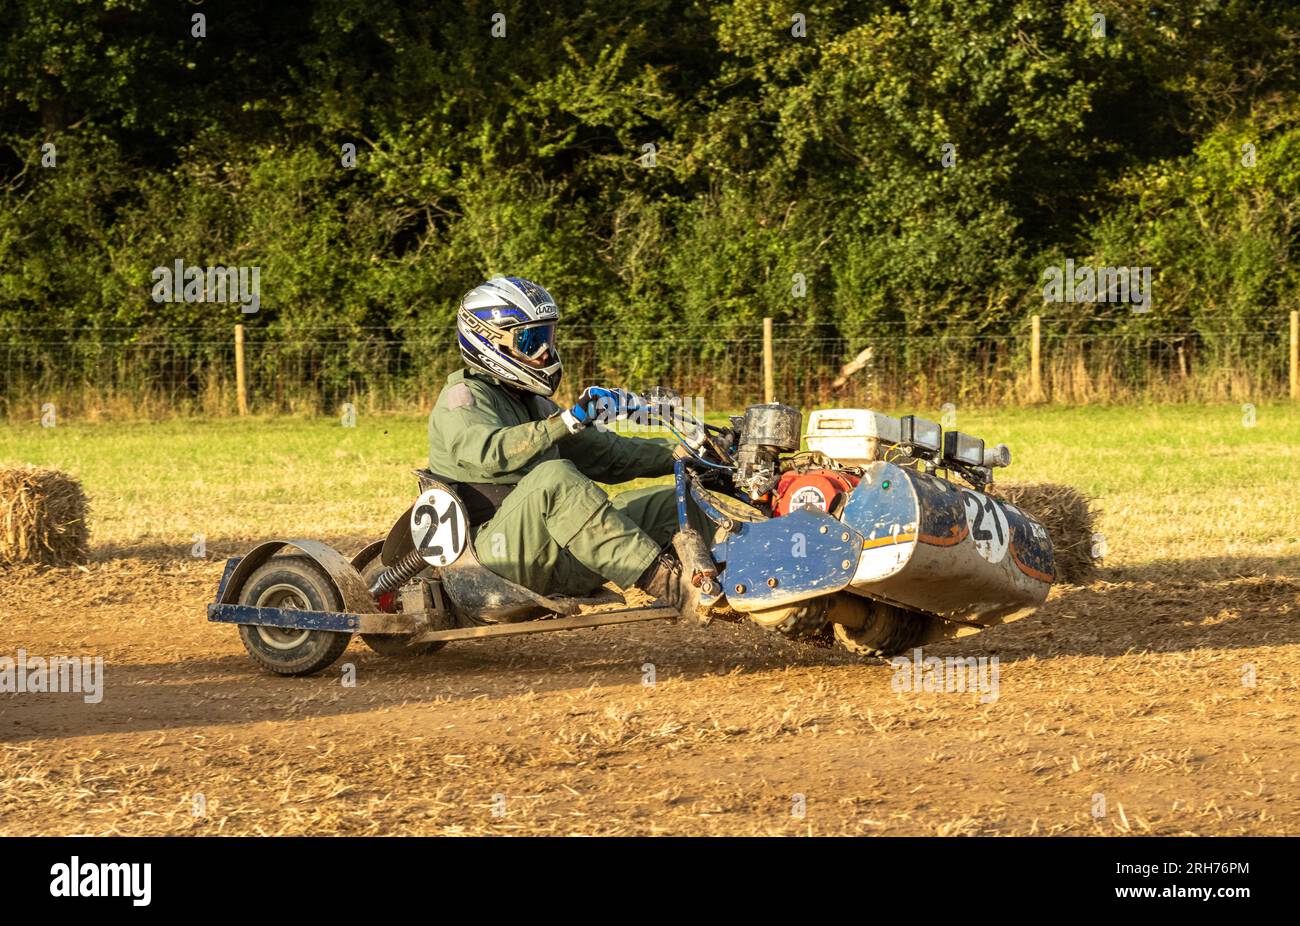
1131, 688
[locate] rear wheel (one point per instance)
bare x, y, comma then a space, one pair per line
294, 583
888, 630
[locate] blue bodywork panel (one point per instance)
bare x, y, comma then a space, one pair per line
1031, 547
875, 507
280, 617
915, 506
943, 513
807, 553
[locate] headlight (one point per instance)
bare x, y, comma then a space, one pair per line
997, 456
922, 433
962, 448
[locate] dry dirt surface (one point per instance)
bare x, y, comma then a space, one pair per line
1157, 700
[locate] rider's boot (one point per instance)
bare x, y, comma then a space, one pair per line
685, 577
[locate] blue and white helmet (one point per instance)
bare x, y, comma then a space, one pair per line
506, 330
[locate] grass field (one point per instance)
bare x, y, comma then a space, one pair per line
1169, 685
1173, 482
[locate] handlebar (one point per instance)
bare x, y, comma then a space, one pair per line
664, 407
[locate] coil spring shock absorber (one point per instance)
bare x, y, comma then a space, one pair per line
398, 574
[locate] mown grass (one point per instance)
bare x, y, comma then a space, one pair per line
1173, 481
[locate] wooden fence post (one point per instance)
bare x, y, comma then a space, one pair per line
1295, 355
241, 384
769, 373
1035, 358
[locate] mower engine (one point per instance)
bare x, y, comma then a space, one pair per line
764, 433
891, 510
823, 489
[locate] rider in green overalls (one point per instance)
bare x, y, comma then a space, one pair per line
541, 520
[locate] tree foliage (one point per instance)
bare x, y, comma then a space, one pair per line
775, 154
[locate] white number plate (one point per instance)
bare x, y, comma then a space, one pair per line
988, 525
439, 527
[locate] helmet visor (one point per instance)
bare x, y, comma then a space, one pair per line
534, 341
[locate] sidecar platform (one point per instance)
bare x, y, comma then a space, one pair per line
425, 626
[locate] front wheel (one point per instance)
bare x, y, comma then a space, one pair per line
800, 621
294, 583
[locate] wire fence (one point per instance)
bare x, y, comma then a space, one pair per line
171, 371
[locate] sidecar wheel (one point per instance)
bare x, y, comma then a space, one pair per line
294, 583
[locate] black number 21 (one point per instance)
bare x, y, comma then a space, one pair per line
448, 516
978, 531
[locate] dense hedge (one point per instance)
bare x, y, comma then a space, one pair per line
774, 155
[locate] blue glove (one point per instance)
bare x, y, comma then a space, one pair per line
599, 404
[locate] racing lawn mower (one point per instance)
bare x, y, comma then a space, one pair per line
881, 536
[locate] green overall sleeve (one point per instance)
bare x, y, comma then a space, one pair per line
611, 458
487, 451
